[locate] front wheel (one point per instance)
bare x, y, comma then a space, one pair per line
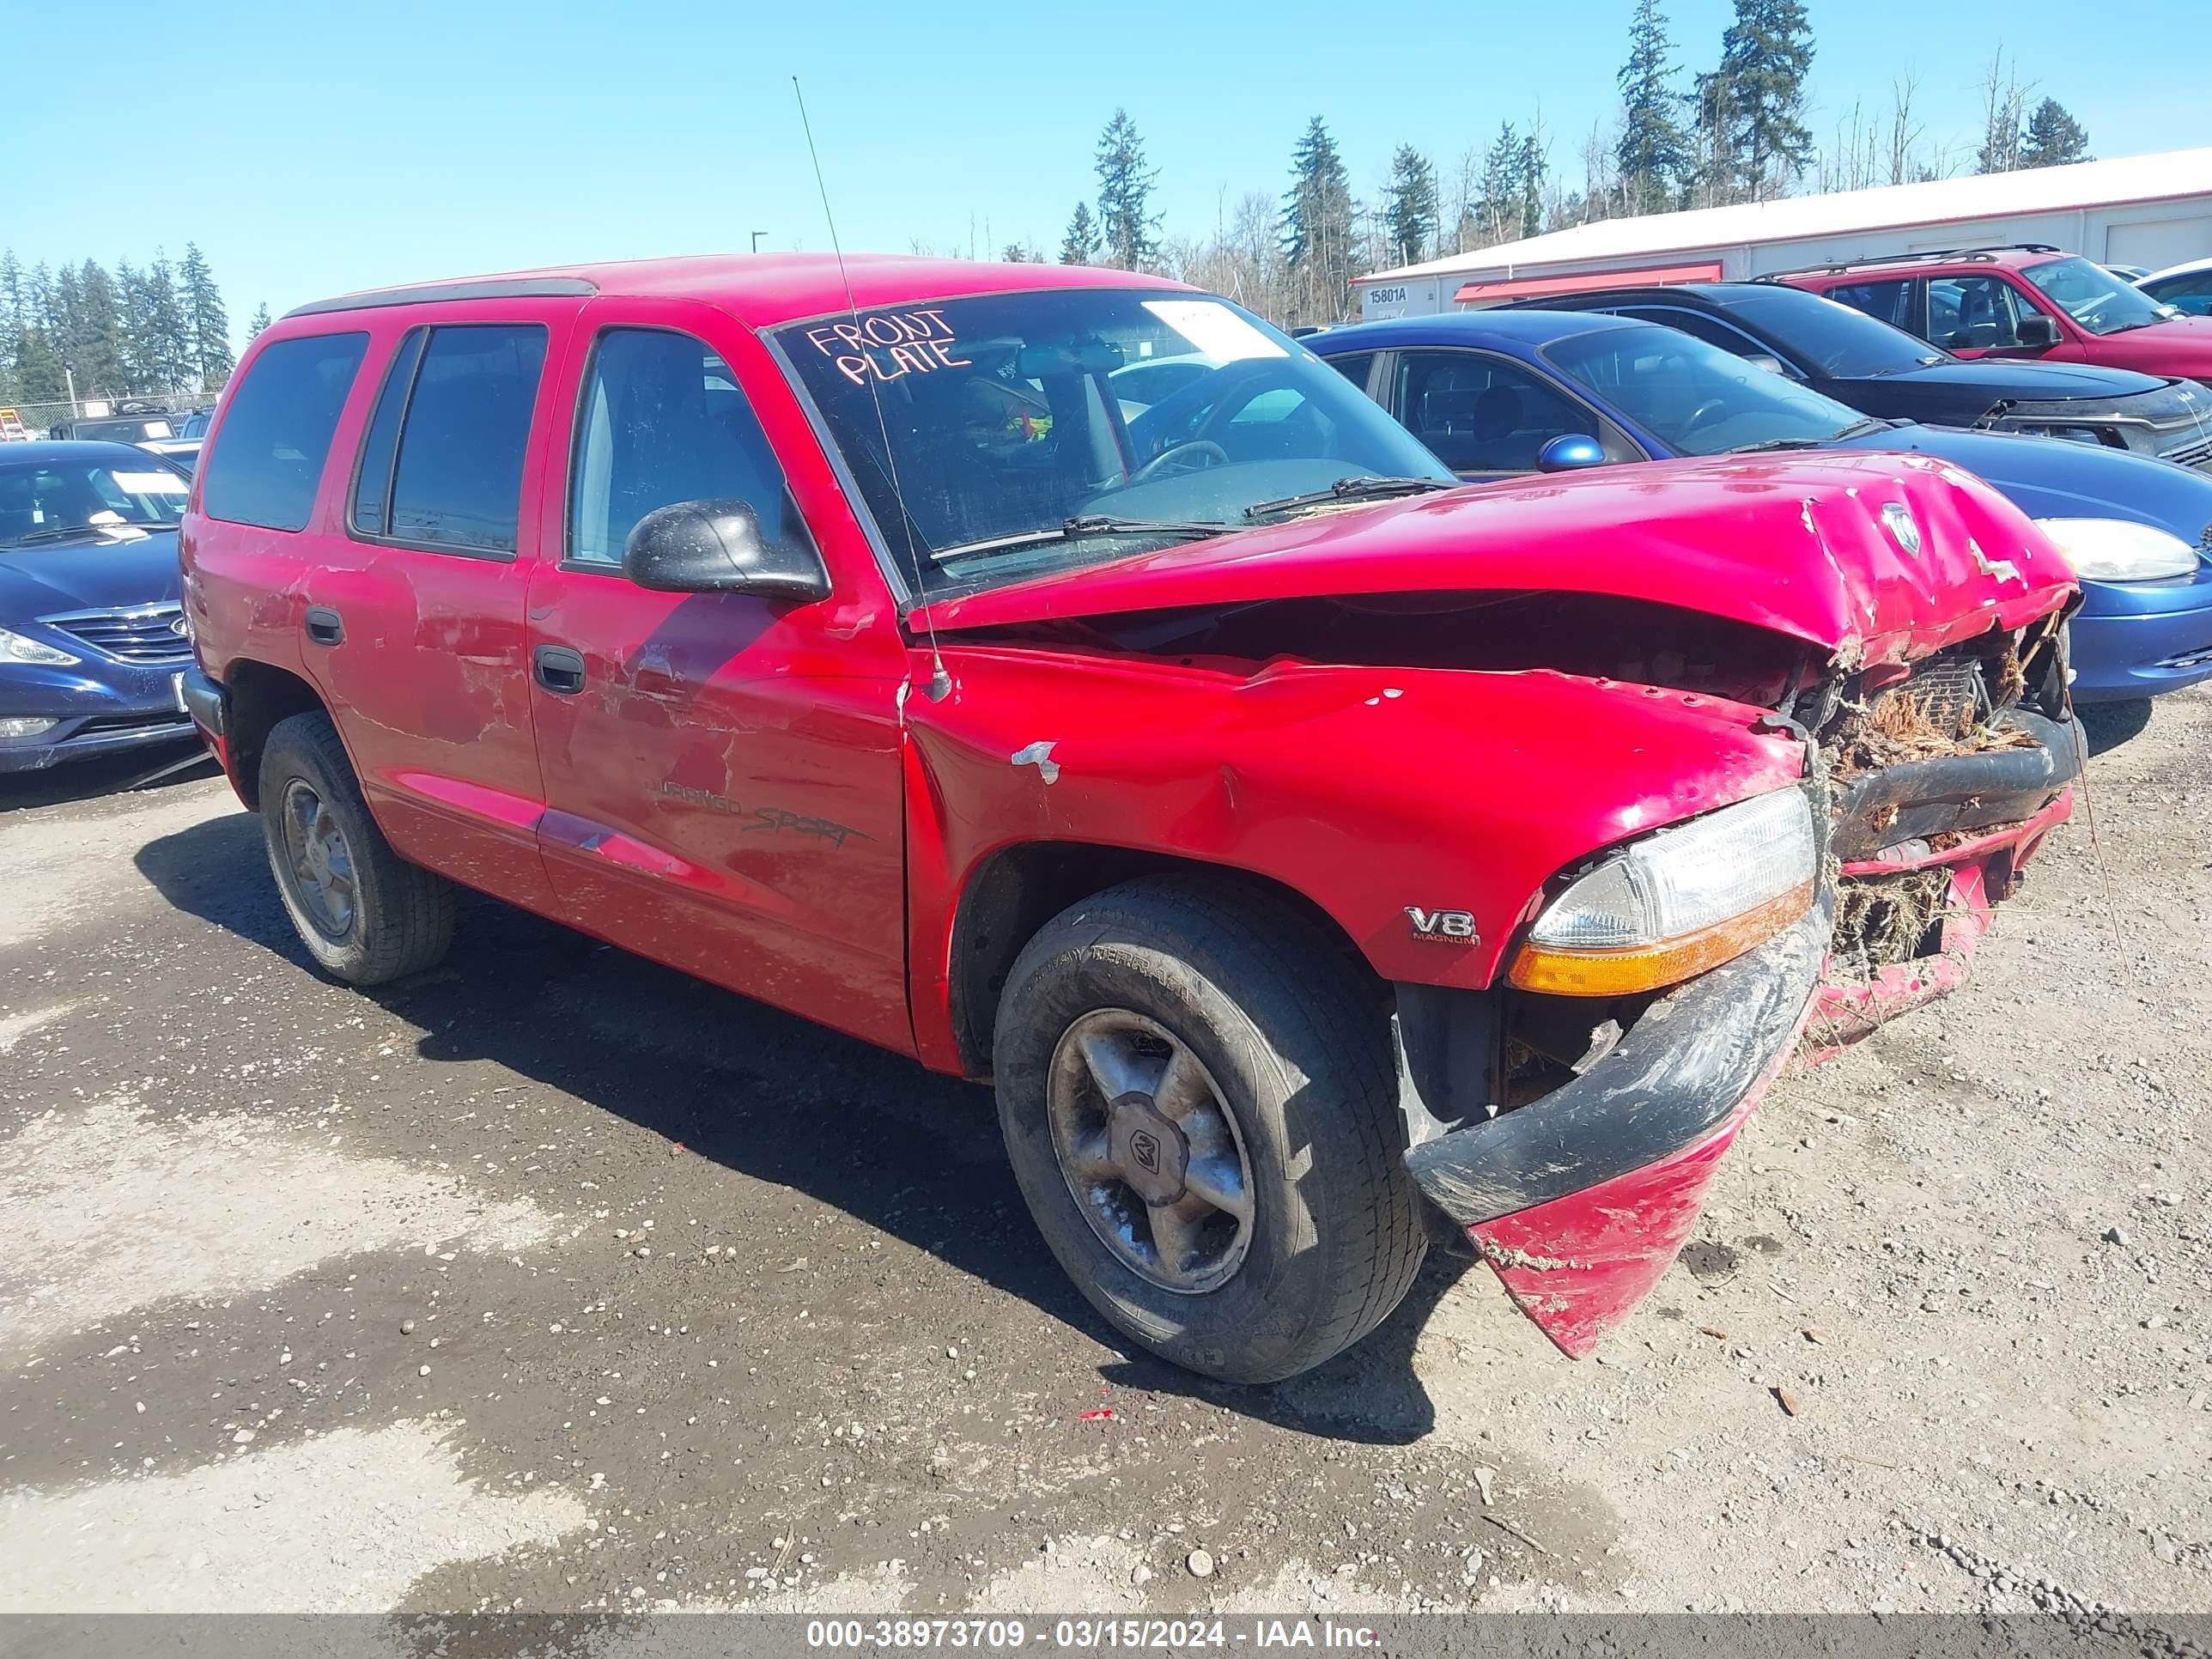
365, 914
1207, 1139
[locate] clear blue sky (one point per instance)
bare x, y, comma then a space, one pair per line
311, 149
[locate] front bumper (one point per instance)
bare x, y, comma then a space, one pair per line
97, 706
1580, 1200
2133, 640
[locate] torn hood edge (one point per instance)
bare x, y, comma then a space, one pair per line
1819, 546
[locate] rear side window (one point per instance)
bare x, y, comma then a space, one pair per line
276, 432
441, 463
663, 420
1887, 303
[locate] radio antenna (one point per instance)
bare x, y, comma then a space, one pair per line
940, 681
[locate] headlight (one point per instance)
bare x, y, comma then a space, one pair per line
2119, 550
25, 726
13, 648
1675, 903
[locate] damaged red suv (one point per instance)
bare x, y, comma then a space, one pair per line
1313, 854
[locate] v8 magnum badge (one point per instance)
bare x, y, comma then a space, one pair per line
1441, 926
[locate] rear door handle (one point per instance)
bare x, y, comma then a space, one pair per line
560, 670
325, 625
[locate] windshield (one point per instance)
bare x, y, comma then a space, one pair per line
1696, 398
1022, 440
57, 502
1840, 343
2094, 297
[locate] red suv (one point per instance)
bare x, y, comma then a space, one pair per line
2032, 301
1309, 851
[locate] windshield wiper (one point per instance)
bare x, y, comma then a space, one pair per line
1350, 489
1084, 524
1857, 429
60, 533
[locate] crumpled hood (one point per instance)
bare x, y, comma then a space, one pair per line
90, 575
1815, 546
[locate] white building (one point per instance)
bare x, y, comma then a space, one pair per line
2151, 210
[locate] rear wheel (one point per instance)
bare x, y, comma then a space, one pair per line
1206, 1136
365, 914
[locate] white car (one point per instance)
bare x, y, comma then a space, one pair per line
2187, 287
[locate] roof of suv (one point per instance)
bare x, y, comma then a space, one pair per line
761, 289
2016, 257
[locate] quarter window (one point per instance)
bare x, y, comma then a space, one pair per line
1886, 302
268, 461
663, 420
441, 465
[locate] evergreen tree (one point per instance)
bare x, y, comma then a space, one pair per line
1534, 166
1653, 152
1319, 227
260, 321
14, 293
2055, 138
1410, 210
1757, 96
1125, 224
96, 347
39, 377
1080, 245
142, 350
206, 322
168, 335
1501, 186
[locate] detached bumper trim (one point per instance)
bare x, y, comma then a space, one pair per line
1684, 1069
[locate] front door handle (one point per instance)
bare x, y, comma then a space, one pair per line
325, 625
560, 670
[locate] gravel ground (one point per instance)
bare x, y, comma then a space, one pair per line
551, 1280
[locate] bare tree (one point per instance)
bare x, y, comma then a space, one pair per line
2004, 106
1905, 133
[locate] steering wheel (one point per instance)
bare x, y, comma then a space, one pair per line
1192, 456
1711, 410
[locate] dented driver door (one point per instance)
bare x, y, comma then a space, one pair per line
721, 770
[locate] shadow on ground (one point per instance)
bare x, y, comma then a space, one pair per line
162, 767
776, 1098
2111, 724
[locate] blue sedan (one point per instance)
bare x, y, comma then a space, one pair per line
93, 643
1499, 393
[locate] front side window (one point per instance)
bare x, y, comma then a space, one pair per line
1484, 414
441, 465
268, 461
2092, 296
1975, 313
662, 421
991, 441
1696, 398
50, 504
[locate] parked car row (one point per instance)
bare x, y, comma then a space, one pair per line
1423, 790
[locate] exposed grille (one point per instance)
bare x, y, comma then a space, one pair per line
145, 633
2191, 452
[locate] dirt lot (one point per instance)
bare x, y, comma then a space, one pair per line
552, 1279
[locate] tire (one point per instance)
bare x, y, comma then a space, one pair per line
399, 917
1291, 1040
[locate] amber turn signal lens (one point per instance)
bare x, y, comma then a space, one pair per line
1622, 972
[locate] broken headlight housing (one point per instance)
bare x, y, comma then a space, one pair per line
1677, 903
2119, 550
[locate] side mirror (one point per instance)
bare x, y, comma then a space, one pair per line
716, 547
2038, 332
1766, 360
1570, 452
